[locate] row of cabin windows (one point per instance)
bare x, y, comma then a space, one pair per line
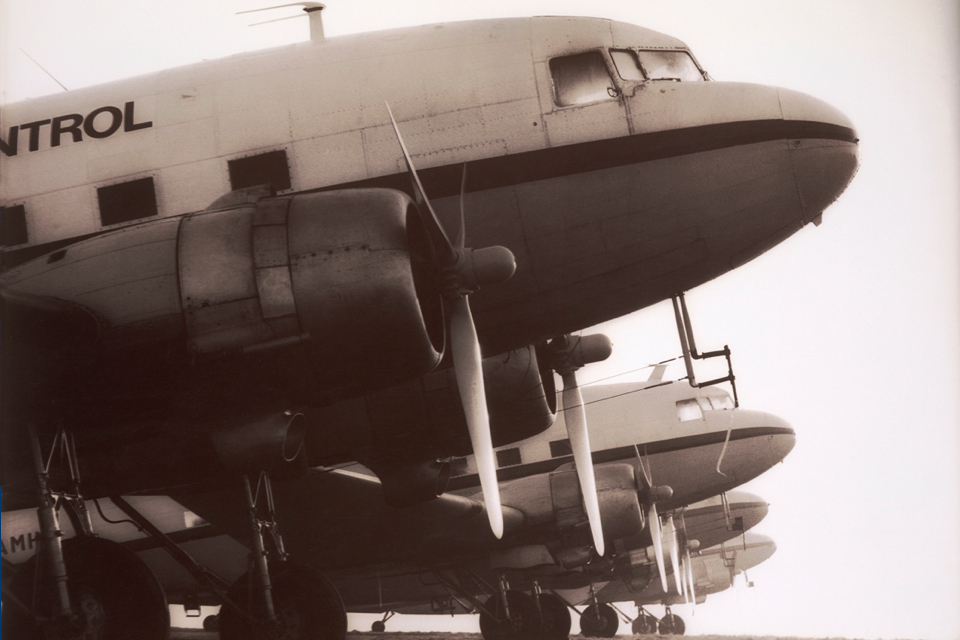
511, 457
577, 79
137, 199
584, 77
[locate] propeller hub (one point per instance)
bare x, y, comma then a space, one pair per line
659, 493
476, 268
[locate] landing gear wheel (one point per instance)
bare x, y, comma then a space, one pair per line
554, 618
522, 623
113, 594
378, 626
672, 625
211, 623
645, 625
307, 605
599, 621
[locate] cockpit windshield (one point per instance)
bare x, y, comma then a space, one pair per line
693, 408
669, 65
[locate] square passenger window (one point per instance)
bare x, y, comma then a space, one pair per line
13, 225
581, 78
127, 201
265, 168
627, 64
508, 457
560, 448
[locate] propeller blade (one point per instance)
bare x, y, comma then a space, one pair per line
444, 252
690, 588
675, 555
575, 418
655, 534
465, 349
462, 231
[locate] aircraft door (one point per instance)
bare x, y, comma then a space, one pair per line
579, 99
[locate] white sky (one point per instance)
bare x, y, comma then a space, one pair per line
851, 330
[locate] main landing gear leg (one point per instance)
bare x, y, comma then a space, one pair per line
645, 624
83, 587
277, 599
671, 625
599, 620
509, 615
553, 614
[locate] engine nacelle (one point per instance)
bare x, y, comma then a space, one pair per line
337, 283
335, 271
422, 420
564, 513
408, 485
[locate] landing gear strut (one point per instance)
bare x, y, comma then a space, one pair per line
599, 620
83, 587
379, 626
553, 614
509, 615
279, 599
645, 624
671, 625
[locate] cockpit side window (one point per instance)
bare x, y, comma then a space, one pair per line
627, 64
581, 78
689, 410
670, 65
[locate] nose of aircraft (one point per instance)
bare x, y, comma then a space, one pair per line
759, 548
826, 158
784, 437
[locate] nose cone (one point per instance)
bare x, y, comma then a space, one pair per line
759, 548
783, 438
758, 441
825, 154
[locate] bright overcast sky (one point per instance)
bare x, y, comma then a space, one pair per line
850, 330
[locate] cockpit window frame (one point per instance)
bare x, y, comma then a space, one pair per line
646, 74
703, 74
612, 73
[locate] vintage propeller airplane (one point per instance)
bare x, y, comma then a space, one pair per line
152, 339
711, 571
377, 556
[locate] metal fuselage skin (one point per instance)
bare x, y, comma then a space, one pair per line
609, 206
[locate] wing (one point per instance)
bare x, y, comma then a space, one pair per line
338, 519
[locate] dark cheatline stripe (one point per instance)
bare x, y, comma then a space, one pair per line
557, 162
596, 155
619, 454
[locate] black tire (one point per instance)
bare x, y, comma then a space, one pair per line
307, 605
114, 592
671, 625
211, 623
554, 618
645, 625
599, 621
378, 626
522, 624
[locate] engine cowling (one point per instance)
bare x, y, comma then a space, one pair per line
564, 513
336, 282
400, 432
334, 271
